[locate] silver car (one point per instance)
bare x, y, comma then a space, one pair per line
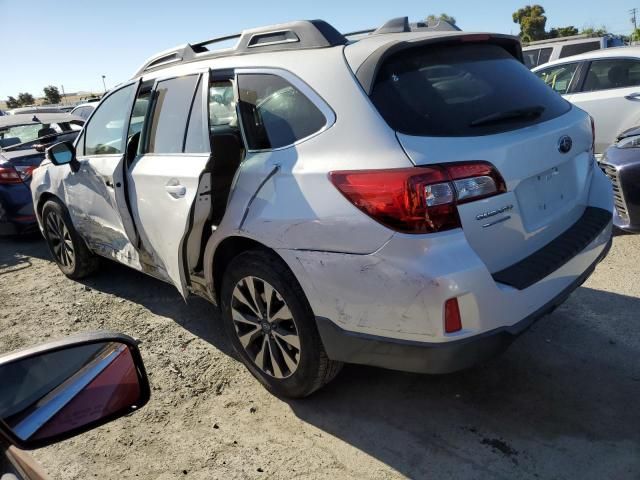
406, 198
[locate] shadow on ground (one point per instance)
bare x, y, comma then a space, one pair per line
562, 402
195, 315
15, 252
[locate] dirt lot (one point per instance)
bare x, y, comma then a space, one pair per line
563, 402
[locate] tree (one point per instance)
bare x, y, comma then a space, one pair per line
12, 102
431, 19
52, 95
25, 99
532, 22
635, 36
595, 32
562, 32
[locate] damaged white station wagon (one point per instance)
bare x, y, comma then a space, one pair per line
405, 197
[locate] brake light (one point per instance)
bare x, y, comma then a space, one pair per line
419, 199
593, 134
25, 172
9, 175
452, 320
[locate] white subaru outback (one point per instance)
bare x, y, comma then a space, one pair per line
406, 198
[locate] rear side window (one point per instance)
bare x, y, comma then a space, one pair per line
578, 48
465, 90
616, 73
274, 113
171, 111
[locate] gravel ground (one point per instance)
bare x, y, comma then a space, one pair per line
562, 402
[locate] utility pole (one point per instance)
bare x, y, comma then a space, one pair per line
63, 95
633, 12
104, 84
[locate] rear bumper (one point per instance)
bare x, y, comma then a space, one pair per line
435, 358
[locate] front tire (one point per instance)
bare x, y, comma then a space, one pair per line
272, 327
69, 251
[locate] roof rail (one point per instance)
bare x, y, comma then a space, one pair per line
401, 25
296, 35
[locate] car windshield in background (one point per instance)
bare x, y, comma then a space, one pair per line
453, 90
18, 134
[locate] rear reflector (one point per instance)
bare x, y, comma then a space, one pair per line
452, 321
9, 175
419, 199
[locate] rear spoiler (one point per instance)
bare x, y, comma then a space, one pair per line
368, 70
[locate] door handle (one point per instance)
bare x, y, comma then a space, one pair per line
633, 97
176, 191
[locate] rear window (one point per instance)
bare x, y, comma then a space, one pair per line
453, 90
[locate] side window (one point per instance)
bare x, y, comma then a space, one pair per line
275, 113
171, 110
104, 134
139, 112
222, 106
578, 48
531, 58
197, 141
545, 55
559, 77
607, 74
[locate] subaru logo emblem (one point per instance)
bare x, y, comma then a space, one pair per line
564, 144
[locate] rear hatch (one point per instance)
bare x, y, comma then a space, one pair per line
475, 101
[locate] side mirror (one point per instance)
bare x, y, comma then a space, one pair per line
61, 153
61, 389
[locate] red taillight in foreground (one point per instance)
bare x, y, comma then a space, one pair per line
9, 175
419, 199
452, 321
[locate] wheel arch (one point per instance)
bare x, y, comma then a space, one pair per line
44, 198
225, 251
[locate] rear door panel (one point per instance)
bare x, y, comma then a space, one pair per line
162, 188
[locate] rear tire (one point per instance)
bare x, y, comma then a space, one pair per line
272, 327
68, 250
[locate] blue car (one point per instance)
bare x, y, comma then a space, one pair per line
23, 140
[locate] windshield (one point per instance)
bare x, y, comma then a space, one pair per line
448, 90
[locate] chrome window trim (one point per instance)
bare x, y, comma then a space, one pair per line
304, 88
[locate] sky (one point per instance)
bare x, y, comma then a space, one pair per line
72, 43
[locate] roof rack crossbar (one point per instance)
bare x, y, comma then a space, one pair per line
297, 35
401, 24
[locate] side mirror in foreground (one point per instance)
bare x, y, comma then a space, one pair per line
61, 389
63, 153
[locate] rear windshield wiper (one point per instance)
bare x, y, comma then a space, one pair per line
516, 114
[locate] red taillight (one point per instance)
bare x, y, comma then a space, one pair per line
9, 175
418, 200
452, 320
25, 172
593, 134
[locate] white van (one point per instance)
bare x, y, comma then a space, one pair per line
543, 51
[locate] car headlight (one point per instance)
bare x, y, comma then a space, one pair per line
629, 142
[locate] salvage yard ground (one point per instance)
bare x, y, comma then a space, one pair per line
563, 402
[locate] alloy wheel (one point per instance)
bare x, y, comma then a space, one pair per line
265, 327
60, 239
